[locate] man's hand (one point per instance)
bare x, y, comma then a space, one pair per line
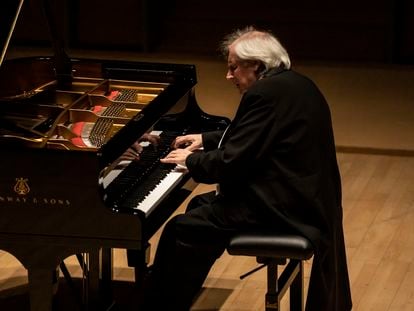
177, 156
190, 142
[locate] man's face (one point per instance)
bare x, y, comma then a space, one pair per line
241, 73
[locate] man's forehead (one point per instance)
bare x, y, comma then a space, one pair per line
232, 57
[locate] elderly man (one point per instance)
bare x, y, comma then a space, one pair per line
275, 168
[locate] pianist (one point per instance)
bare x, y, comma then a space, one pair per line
276, 169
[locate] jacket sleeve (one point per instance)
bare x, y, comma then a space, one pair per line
211, 139
233, 160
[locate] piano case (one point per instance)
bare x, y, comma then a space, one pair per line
67, 185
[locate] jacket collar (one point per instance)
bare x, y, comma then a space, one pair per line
273, 71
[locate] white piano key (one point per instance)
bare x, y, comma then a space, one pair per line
163, 188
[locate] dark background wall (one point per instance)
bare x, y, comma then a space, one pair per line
380, 31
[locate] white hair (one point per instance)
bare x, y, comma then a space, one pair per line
253, 45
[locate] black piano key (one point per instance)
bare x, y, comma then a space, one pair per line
143, 175
141, 190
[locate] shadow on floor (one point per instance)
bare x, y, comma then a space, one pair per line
125, 297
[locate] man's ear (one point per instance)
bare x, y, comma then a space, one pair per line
259, 68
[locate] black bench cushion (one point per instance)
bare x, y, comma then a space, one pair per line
273, 245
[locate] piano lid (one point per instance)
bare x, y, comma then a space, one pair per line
88, 105
9, 13
52, 12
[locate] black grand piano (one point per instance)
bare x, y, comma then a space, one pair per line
66, 186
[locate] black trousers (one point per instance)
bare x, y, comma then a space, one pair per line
189, 245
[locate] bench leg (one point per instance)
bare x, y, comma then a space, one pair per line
272, 298
297, 291
292, 279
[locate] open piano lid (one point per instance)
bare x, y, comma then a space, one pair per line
10, 10
44, 101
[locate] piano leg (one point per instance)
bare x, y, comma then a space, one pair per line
40, 289
107, 275
41, 286
93, 298
94, 293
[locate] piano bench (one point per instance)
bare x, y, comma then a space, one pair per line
272, 250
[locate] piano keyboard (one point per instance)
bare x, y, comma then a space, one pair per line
143, 184
149, 200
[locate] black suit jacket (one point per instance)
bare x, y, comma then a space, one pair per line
278, 157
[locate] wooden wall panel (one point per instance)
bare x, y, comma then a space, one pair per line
380, 31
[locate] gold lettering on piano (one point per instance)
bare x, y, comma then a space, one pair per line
52, 202
21, 187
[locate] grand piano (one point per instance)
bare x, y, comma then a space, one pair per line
67, 185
